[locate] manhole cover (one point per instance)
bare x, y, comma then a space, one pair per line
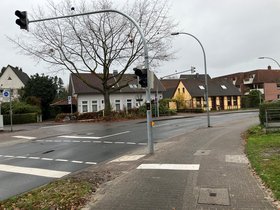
202, 152
214, 196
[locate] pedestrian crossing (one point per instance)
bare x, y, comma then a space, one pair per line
33, 171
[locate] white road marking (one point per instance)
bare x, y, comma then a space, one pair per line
187, 167
142, 144
33, 171
49, 159
127, 158
91, 163
34, 158
116, 134
58, 141
93, 141
25, 137
96, 141
61, 160
107, 142
236, 159
77, 161
21, 157
80, 137
156, 126
46, 159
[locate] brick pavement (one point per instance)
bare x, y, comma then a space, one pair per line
223, 181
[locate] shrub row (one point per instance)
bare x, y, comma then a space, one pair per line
19, 108
264, 107
20, 118
194, 110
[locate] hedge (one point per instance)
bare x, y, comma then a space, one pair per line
265, 106
20, 118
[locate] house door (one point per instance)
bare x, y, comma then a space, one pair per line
222, 104
214, 105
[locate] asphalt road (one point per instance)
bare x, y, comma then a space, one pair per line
44, 153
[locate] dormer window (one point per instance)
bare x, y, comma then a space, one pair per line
223, 87
201, 87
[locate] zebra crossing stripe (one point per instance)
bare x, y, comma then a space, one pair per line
33, 171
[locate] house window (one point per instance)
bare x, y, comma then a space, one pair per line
94, 106
201, 87
129, 103
198, 102
118, 105
223, 87
278, 96
278, 86
235, 100
84, 106
183, 90
179, 90
228, 100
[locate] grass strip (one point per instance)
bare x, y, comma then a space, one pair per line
68, 193
263, 151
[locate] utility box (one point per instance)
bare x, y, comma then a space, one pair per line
1, 123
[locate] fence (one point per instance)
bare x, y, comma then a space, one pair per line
272, 118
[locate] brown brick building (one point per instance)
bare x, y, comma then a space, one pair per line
267, 81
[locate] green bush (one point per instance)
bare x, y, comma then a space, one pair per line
90, 115
66, 116
20, 118
19, 108
265, 106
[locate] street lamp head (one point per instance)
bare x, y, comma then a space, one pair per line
261, 57
175, 33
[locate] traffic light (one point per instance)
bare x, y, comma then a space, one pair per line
23, 20
142, 75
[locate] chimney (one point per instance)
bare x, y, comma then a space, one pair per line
269, 68
115, 72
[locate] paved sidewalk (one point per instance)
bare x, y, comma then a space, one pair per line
223, 180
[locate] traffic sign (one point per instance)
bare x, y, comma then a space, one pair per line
69, 99
6, 93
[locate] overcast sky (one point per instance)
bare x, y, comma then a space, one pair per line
234, 33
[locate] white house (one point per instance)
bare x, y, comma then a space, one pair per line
91, 100
13, 78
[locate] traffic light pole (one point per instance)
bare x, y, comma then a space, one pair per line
146, 57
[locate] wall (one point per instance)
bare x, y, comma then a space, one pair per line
122, 97
271, 91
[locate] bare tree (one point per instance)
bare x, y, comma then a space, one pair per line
100, 42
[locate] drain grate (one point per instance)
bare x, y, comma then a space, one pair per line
214, 196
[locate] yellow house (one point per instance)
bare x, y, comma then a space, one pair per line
190, 94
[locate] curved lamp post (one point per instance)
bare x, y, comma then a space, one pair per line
270, 59
205, 72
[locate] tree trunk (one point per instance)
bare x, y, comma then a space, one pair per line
107, 104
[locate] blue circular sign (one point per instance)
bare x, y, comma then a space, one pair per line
6, 93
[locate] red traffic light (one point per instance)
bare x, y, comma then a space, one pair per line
23, 20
